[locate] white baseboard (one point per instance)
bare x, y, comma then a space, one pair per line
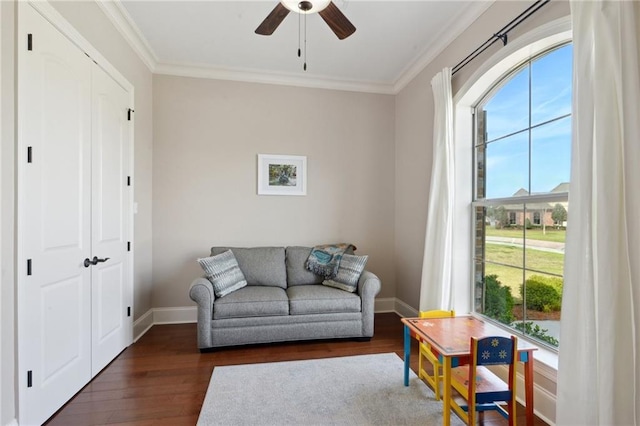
155, 316
142, 325
178, 315
388, 304
405, 310
544, 405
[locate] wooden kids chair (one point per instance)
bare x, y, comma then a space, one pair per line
431, 355
480, 389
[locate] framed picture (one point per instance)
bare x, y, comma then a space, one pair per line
282, 175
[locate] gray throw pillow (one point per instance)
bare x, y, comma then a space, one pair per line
349, 272
223, 272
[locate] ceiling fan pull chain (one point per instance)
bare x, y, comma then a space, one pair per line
305, 42
299, 35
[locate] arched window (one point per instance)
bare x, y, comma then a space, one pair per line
522, 156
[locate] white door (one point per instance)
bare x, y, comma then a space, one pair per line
110, 213
54, 326
73, 212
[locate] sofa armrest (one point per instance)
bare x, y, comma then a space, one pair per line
201, 292
368, 287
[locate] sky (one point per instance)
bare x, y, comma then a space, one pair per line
508, 160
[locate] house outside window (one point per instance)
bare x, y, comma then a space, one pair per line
522, 153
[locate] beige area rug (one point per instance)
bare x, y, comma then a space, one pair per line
354, 390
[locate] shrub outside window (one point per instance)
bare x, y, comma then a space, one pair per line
522, 152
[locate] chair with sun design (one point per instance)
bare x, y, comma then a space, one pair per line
478, 388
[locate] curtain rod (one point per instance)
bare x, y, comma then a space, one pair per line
500, 35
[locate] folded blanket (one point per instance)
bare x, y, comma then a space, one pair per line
325, 259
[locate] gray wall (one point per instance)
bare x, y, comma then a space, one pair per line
208, 134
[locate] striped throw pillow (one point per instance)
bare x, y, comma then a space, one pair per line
349, 272
223, 272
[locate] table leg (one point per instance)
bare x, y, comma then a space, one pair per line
446, 391
407, 354
528, 388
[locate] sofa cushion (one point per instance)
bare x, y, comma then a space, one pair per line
297, 272
260, 265
319, 299
252, 301
349, 272
223, 272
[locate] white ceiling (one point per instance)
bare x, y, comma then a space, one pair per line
394, 40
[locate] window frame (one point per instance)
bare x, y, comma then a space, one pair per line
478, 134
471, 85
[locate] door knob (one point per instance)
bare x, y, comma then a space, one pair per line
88, 262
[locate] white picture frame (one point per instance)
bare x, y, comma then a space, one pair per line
282, 174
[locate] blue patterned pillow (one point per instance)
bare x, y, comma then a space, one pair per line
223, 272
349, 272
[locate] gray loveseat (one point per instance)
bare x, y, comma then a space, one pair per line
283, 301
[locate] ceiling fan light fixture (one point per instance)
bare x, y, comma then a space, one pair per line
303, 6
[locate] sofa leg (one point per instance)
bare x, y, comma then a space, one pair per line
363, 339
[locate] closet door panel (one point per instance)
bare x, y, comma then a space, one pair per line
109, 218
54, 231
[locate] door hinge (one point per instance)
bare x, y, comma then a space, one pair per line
29, 378
28, 266
129, 114
128, 311
128, 180
29, 41
128, 245
29, 154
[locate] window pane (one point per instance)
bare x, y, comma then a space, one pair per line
504, 237
543, 300
497, 297
519, 267
551, 89
544, 243
507, 165
508, 110
550, 155
521, 155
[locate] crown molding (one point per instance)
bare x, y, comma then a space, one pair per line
250, 76
123, 22
120, 18
455, 28
118, 15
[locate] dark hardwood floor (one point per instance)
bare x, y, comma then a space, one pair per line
162, 378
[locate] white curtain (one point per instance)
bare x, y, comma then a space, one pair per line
435, 292
599, 359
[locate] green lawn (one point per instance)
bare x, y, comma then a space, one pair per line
512, 277
551, 234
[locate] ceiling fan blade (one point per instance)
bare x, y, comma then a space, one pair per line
271, 22
336, 20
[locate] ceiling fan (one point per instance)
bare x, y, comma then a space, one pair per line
336, 20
